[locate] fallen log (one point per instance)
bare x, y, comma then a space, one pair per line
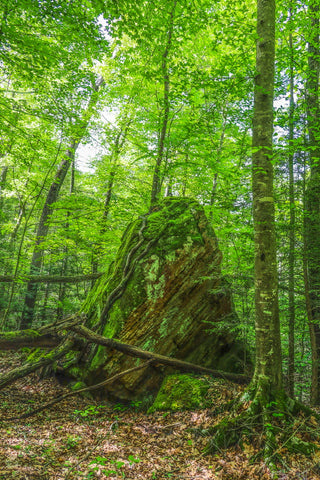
27, 338
49, 278
47, 359
158, 359
34, 338
47, 336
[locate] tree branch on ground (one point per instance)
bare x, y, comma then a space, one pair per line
56, 331
47, 359
49, 278
81, 390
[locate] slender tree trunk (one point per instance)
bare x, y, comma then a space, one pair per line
3, 177
215, 176
291, 363
185, 176
115, 155
42, 231
64, 268
268, 368
97, 247
44, 306
218, 154
118, 147
156, 181
52, 196
312, 202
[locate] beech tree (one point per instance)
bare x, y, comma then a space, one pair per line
265, 393
312, 203
185, 70
268, 371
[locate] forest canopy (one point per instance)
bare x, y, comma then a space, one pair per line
109, 107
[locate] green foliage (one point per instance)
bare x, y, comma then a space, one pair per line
72, 441
47, 76
89, 411
117, 465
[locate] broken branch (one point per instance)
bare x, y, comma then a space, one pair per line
160, 359
81, 390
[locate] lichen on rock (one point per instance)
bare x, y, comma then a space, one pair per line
167, 289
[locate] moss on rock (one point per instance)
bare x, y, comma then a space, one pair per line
181, 392
167, 302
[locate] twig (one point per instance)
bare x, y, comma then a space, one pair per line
81, 390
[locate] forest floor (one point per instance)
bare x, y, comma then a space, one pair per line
83, 439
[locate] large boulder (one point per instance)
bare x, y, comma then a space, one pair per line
163, 293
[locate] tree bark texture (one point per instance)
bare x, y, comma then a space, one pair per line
268, 369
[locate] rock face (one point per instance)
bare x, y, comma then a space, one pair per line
162, 293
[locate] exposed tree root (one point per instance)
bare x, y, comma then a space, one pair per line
273, 423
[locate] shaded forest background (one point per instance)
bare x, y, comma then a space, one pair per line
107, 107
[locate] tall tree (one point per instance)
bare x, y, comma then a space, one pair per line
268, 370
156, 183
312, 203
291, 321
265, 393
79, 131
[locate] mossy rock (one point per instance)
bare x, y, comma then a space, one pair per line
182, 392
167, 305
75, 386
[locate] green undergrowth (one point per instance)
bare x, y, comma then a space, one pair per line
274, 426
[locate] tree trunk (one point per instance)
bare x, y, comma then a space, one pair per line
312, 202
42, 231
52, 196
3, 177
268, 368
265, 395
64, 267
156, 182
117, 148
291, 322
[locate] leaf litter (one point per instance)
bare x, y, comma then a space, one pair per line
85, 439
